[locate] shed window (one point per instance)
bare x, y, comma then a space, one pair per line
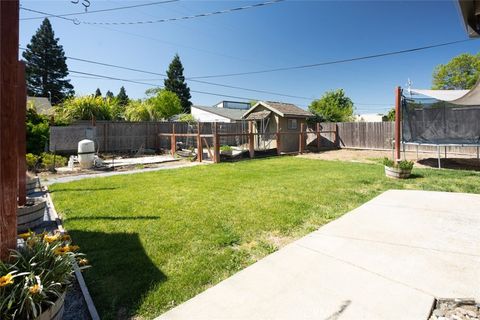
292, 124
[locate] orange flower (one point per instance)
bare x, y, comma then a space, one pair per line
49, 239
82, 262
36, 288
25, 235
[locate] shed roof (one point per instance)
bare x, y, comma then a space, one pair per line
232, 114
282, 109
259, 115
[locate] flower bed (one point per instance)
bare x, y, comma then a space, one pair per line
398, 170
35, 278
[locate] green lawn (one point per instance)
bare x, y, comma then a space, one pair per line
157, 239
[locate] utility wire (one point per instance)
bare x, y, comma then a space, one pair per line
197, 81
101, 10
200, 15
313, 65
156, 85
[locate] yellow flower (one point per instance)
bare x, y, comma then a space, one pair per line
50, 239
6, 280
36, 288
72, 248
82, 262
59, 251
25, 235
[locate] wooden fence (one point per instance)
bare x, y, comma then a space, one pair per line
111, 136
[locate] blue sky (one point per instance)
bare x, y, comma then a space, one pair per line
284, 34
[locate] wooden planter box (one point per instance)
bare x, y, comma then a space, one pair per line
55, 312
31, 184
397, 173
31, 215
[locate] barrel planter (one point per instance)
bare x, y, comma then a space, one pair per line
31, 215
397, 173
55, 312
32, 183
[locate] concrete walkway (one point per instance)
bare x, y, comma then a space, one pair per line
387, 259
167, 166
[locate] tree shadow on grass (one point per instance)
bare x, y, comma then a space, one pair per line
121, 273
113, 218
81, 189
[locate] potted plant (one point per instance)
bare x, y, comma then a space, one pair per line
34, 280
226, 150
398, 170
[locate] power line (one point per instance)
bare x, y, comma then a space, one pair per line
200, 15
197, 81
156, 85
101, 10
313, 65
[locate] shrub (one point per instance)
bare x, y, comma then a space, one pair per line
87, 107
226, 148
51, 161
404, 164
38, 130
186, 117
37, 274
32, 161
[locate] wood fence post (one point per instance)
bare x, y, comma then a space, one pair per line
8, 126
173, 141
300, 139
216, 145
318, 136
22, 133
251, 142
199, 143
398, 97
279, 143
336, 141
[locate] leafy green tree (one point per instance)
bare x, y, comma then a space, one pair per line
109, 94
461, 72
122, 97
390, 116
175, 83
333, 106
46, 67
164, 105
187, 117
98, 93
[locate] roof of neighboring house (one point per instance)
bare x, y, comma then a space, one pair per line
282, 109
259, 115
42, 105
233, 114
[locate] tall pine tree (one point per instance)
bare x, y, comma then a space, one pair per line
122, 97
46, 66
98, 93
109, 94
175, 83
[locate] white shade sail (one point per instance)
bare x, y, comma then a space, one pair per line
459, 97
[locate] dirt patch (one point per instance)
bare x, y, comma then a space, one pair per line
424, 160
456, 309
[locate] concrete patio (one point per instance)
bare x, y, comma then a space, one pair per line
388, 259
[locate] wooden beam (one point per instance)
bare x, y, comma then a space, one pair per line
173, 141
216, 144
319, 136
398, 97
279, 142
300, 139
251, 142
22, 133
199, 144
8, 126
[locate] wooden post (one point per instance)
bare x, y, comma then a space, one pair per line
216, 145
398, 101
22, 133
279, 143
318, 136
300, 139
173, 141
94, 121
251, 141
199, 144
8, 126
335, 136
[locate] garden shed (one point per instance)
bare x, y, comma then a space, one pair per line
270, 117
